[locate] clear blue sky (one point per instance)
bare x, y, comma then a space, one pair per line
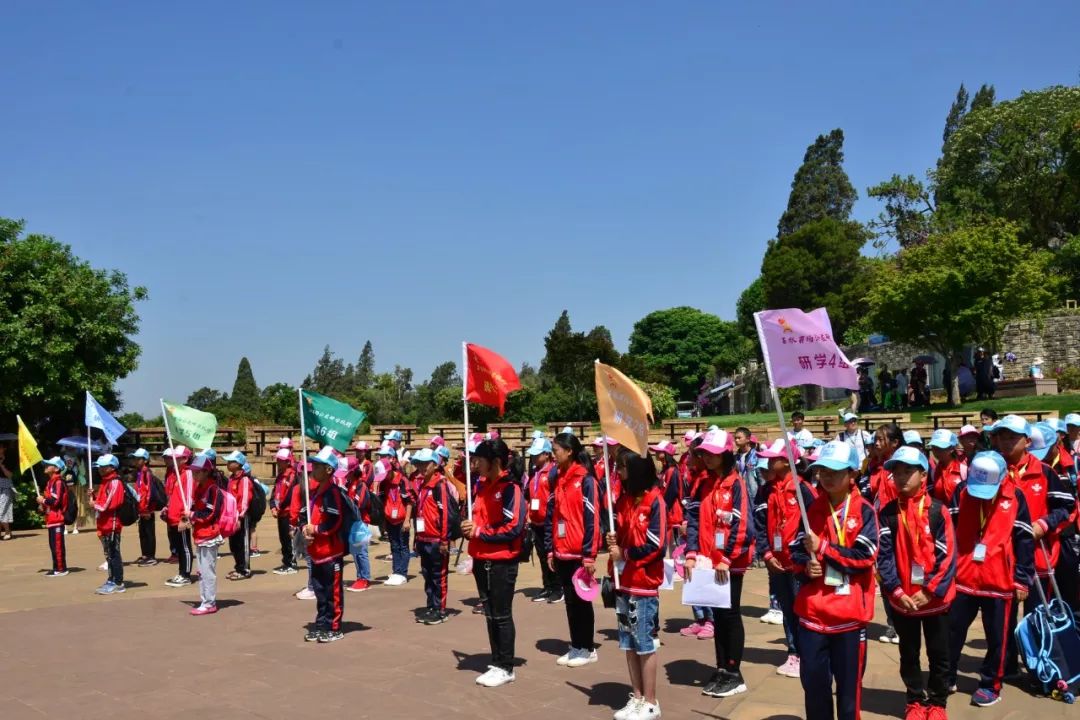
283, 176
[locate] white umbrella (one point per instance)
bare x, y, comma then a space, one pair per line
863, 361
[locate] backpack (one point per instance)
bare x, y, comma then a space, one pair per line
229, 522
395, 511
158, 498
349, 517
71, 507
375, 509
128, 512
453, 513
257, 507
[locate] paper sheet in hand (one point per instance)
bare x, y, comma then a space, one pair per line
669, 575
702, 589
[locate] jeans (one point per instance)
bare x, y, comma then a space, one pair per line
208, 574
399, 549
638, 618
110, 544
787, 587
327, 582
579, 614
147, 537
362, 562
495, 579
702, 614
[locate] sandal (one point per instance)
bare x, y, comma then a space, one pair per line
233, 576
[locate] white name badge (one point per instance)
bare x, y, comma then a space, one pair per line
561, 530
844, 589
777, 542
834, 578
918, 576
535, 504
980, 553
719, 540
393, 514
419, 525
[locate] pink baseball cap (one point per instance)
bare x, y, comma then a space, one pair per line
285, 442
437, 441
968, 430
585, 585
360, 445
688, 436
779, 449
679, 557
283, 454
351, 463
717, 441
381, 470
663, 447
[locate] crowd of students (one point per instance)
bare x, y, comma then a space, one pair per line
960, 527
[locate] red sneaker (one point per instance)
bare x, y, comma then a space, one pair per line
172, 560
936, 713
915, 711
359, 586
204, 610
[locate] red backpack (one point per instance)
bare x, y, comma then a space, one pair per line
394, 505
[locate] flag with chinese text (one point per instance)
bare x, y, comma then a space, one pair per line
625, 409
188, 426
329, 421
799, 349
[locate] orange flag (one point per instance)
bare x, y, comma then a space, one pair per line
625, 409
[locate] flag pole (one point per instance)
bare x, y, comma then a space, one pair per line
303, 450
172, 456
610, 507
465, 402
89, 462
37, 490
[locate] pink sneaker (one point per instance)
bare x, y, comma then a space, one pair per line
691, 630
706, 632
790, 668
204, 610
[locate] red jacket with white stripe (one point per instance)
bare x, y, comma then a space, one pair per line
432, 507
917, 531
850, 550
1003, 526
241, 489
206, 511
721, 526
777, 517
144, 480
55, 499
572, 526
175, 506
283, 485
326, 516
1048, 501
498, 520
110, 497
538, 490
640, 529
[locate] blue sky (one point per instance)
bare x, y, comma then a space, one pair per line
283, 176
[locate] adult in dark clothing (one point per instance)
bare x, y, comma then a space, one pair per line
984, 375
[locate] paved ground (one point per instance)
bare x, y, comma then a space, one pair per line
67, 653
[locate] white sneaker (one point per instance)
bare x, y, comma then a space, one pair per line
306, 594
583, 657
773, 617
103, 566
495, 677
646, 711
629, 709
396, 579
565, 659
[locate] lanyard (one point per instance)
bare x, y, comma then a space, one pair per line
914, 535
839, 524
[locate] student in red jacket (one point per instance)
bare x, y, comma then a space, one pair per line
178, 491
52, 502
917, 564
994, 566
326, 548
836, 600
201, 520
947, 473
144, 486
357, 489
432, 535
298, 516
110, 497
537, 491
671, 484
240, 487
496, 532
637, 554
777, 519
280, 497
397, 512
721, 529
572, 539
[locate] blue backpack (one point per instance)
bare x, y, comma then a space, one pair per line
1050, 646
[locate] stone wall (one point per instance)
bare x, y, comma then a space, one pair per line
1055, 338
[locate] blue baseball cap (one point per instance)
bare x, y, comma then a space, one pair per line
1015, 423
107, 460
142, 453
943, 439
540, 445
984, 475
912, 437
1058, 424
1043, 440
538, 435
762, 463
424, 455
56, 462
325, 456
394, 435
211, 453
237, 457
849, 416
442, 452
246, 467
837, 455
1072, 419
201, 461
385, 449
907, 456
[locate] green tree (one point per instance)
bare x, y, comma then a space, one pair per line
984, 98
821, 189
813, 266
365, 366
1067, 267
568, 363
956, 115
329, 376
1018, 160
961, 288
687, 346
206, 399
751, 300
280, 404
245, 393
67, 327
908, 215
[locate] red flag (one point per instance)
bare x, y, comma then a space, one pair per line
490, 377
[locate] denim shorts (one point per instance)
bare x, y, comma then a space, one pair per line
639, 622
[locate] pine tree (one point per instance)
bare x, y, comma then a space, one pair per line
984, 98
365, 367
821, 189
956, 114
245, 393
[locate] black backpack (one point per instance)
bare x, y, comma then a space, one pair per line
158, 498
128, 512
71, 507
257, 508
349, 515
453, 513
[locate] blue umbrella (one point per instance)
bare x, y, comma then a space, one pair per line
79, 443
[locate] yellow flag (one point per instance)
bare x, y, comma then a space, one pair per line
29, 455
625, 409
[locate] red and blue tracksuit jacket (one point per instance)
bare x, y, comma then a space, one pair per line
1050, 504
640, 529
498, 517
721, 523
671, 480
283, 487
945, 478
849, 545
917, 531
110, 497
433, 507
206, 511
326, 516
777, 517
240, 488
144, 483
55, 499
572, 525
175, 507
537, 491
1003, 526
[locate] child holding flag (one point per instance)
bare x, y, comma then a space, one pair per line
110, 497
326, 548
52, 502
178, 489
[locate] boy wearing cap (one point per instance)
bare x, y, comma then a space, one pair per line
538, 489
240, 487
917, 565
397, 511
948, 473
53, 502
994, 566
202, 522
144, 487
178, 490
110, 497
776, 521
835, 603
326, 548
969, 442
432, 535
280, 496
859, 440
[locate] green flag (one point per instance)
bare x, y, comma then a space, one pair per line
189, 426
330, 422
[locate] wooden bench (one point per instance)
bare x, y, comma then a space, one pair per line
876, 419
952, 420
581, 428
678, 427
513, 431
261, 436
155, 440
405, 430
818, 424
451, 432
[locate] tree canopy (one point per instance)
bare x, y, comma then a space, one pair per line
821, 188
245, 394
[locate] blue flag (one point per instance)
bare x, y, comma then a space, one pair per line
99, 417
